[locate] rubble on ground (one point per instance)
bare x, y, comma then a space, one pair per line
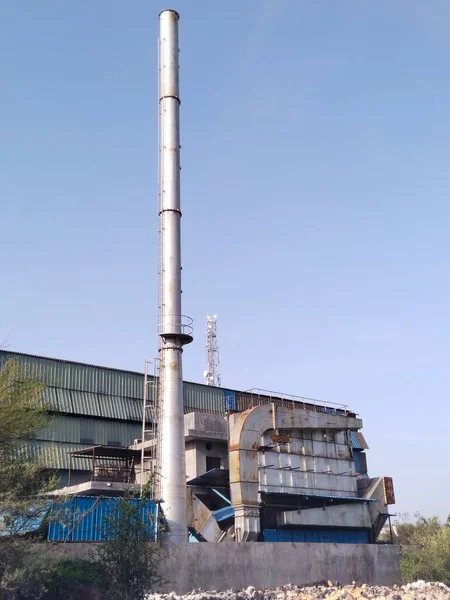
326, 590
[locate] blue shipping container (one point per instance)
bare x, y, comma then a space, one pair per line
86, 518
317, 536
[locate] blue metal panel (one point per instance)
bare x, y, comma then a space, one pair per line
224, 513
326, 497
356, 460
354, 439
358, 440
85, 518
317, 536
227, 500
312, 536
298, 536
229, 399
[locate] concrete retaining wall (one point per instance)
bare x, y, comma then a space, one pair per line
268, 565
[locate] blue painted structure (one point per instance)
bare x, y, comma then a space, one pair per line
224, 513
357, 461
86, 518
318, 536
229, 400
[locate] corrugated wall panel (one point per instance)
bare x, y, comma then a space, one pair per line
79, 387
74, 429
358, 440
121, 433
85, 519
54, 454
115, 407
84, 403
62, 429
318, 536
50, 398
203, 397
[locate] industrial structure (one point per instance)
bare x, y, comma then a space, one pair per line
174, 329
259, 465
226, 466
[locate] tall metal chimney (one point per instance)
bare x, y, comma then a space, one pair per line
174, 330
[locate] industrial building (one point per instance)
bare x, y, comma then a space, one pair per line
259, 465
225, 465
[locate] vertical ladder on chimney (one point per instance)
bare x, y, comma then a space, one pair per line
150, 443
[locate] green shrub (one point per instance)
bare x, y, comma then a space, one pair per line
67, 578
425, 550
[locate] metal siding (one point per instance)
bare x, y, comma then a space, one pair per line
229, 400
362, 462
62, 429
362, 440
358, 441
72, 429
355, 442
203, 397
82, 403
356, 459
224, 513
116, 407
80, 377
85, 518
124, 433
317, 536
50, 398
54, 454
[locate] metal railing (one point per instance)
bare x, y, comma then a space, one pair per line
260, 396
176, 324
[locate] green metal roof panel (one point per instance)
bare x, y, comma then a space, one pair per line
83, 389
78, 376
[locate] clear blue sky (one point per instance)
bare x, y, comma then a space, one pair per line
315, 184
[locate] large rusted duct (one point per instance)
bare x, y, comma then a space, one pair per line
245, 436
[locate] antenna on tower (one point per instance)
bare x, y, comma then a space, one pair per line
212, 371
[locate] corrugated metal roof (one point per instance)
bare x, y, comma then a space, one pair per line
117, 395
358, 440
78, 376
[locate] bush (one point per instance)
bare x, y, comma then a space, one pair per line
130, 556
425, 550
71, 579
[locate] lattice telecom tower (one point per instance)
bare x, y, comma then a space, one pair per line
212, 371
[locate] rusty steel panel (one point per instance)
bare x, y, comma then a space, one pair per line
389, 494
279, 439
